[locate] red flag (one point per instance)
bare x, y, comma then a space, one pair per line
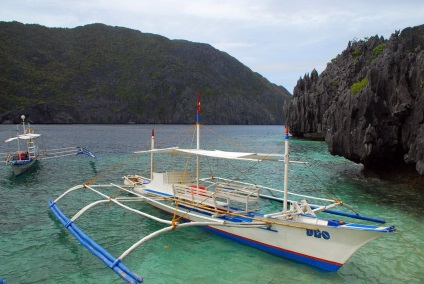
198, 101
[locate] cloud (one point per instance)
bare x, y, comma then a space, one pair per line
281, 40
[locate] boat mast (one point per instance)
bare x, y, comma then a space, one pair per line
286, 168
23, 123
17, 136
151, 154
23, 132
198, 137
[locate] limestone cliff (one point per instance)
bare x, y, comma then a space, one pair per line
368, 104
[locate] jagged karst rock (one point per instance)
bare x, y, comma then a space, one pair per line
368, 103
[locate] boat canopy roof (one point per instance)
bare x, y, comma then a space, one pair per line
219, 154
23, 137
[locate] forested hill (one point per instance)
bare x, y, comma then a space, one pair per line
103, 74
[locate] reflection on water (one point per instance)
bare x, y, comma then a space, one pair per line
93, 167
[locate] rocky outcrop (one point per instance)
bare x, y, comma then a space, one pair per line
368, 104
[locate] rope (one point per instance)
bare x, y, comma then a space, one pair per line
174, 217
115, 194
241, 173
337, 200
271, 152
410, 244
221, 211
226, 139
327, 195
115, 167
176, 135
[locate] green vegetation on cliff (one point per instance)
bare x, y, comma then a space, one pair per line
368, 103
356, 87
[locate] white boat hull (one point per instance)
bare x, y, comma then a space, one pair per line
22, 166
327, 248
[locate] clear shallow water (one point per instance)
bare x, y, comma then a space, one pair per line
34, 248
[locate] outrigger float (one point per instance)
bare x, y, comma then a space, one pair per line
27, 155
230, 208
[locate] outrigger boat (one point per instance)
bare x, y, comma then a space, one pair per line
230, 208
26, 156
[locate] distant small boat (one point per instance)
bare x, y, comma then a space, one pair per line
28, 154
229, 207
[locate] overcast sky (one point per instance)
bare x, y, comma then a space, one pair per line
281, 40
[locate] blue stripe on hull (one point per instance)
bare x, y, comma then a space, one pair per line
316, 262
320, 263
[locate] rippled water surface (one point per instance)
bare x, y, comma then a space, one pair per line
34, 247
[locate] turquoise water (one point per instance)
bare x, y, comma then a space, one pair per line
34, 247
